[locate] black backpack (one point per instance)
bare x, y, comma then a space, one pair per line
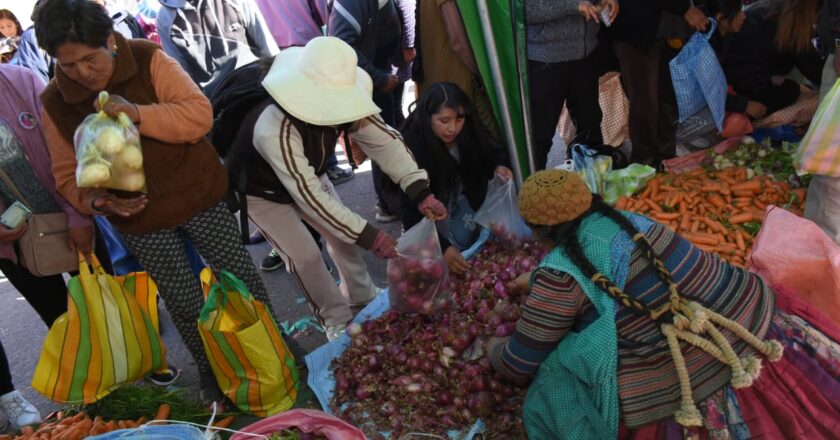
238, 93
231, 101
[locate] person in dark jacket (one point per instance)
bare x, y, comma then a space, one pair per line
450, 143
776, 37
730, 17
643, 57
372, 28
562, 68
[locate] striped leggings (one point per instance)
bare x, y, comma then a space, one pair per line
216, 236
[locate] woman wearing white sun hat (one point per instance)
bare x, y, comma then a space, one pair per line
316, 93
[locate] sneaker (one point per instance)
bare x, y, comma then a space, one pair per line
367, 301
384, 216
272, 261
166, 377
338, 175
334, 332
18, 410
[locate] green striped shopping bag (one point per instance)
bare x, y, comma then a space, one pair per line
108, 336
251, 362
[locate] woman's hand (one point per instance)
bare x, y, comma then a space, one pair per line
117, 104
79, 239
110, 204
756, 109
504, 173
8, 236
696, 19
384, 246
589, 11
522, 283
455, 261
613, 7
432, 208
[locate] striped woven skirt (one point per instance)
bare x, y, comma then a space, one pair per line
797, 397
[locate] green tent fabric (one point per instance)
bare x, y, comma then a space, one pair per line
507, 22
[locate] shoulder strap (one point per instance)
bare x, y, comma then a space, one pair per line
5, 178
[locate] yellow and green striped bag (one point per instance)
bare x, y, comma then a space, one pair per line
108, 336
252, 364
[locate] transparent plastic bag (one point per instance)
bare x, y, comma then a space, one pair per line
108, 152
418, 279
592, 166
500, 214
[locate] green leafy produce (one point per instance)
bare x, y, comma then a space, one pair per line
763, 159
135, 401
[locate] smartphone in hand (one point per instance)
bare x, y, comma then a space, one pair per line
605, 16
15, 215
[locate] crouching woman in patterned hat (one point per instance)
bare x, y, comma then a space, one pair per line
630, 331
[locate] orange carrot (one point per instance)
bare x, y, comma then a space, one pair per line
225, 422
751, 185
163, 412
739, 241
701, 238
717, 201
741, 218
666, 215
653, 206
654, 188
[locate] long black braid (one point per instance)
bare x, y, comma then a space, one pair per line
566, 235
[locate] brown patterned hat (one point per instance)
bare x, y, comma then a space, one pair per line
551, 197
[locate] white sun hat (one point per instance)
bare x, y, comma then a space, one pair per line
321, 83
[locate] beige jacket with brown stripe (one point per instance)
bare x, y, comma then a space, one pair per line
280, 144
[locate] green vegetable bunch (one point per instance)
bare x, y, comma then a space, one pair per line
762, 159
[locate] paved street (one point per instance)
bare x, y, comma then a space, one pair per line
22, 331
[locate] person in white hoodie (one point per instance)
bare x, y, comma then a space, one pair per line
211, 38
315, 93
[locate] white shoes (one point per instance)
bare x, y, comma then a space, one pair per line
334, 332
18, 410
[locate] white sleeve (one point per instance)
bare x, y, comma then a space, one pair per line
385, 145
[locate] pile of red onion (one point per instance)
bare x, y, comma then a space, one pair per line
429, 373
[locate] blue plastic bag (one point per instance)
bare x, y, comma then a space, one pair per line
698, 78
154, 432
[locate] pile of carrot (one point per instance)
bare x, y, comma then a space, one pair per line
718, 211
57, 426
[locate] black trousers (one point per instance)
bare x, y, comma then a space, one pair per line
47, 295
646, 79
573, 83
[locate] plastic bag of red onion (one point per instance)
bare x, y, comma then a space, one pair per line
500, 214
418, 279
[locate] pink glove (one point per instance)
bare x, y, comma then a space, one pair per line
384, 246
432, 208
